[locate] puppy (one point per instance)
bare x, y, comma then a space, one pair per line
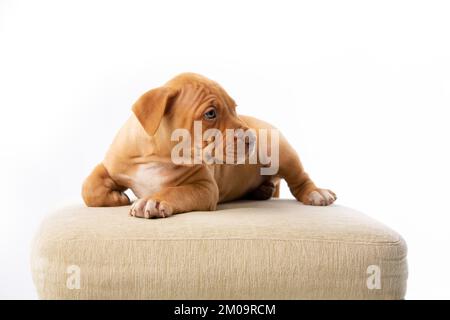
141, 156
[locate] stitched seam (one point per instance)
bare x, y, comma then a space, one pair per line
386, 243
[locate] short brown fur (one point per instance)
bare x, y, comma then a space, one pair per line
143, 144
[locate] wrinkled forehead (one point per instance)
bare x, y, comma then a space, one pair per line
197, 89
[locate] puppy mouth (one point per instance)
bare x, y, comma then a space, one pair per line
242, 154
231, 153
251, 150
230, 146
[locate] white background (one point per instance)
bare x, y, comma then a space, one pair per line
361, 89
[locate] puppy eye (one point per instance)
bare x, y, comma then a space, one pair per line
210, 114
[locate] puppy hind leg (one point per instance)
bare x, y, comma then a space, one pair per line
100, 190
268, 189
300, 184
276, 193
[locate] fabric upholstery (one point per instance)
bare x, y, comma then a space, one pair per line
277, 249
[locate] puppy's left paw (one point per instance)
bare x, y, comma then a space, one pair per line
150, 208
319, 197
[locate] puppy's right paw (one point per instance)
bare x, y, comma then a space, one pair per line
150, 208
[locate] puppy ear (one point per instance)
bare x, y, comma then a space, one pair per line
151, 106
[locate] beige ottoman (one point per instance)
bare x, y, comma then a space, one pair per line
277, 249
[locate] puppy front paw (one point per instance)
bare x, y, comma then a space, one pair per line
319, 197
150, 208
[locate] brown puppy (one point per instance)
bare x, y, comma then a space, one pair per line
140, 157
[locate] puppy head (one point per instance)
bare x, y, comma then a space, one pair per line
184, 101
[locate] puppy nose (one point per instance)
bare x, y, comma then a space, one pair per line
246, 136
240, 132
